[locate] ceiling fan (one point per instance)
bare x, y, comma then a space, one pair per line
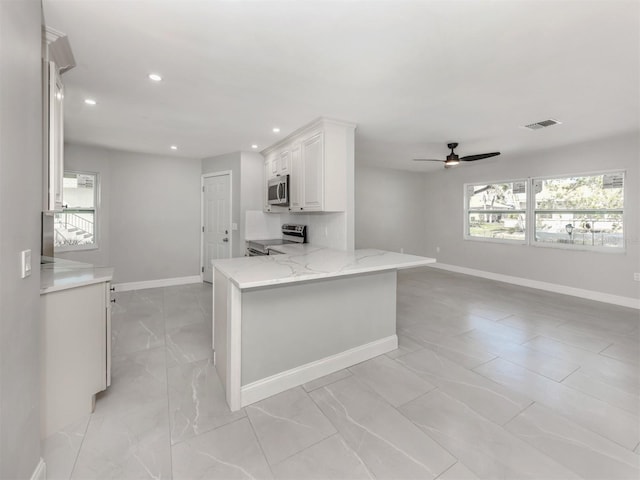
454, 159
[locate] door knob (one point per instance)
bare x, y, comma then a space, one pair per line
225, 239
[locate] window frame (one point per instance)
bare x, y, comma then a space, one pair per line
507, 241
532, 211
530, 214
96, 227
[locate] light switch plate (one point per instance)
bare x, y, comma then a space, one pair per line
234, 226
25, 261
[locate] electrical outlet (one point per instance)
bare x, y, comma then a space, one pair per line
636, 277
25, 261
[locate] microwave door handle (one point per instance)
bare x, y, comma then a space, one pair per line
279, 187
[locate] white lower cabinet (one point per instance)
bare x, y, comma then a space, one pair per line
76, 353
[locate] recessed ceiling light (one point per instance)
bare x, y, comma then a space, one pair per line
254, 146
90, 101
155, 77
174, 147
276, 130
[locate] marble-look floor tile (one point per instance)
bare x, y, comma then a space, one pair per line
487, 311
60, 450
405, 345
608, 370
189, 343
624, 349
228, 452
607, 393
389, 445
393, 382
486, 397
458, 472
131, 445
288, 423
330, 459
611, 422
582, 451
532, 321
484, 447
555, 368
500, 331
137, 379
183, 317
458, 349
326, 380
137, 333
197, 400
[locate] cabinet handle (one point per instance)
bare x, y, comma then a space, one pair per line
113, 289
113, 300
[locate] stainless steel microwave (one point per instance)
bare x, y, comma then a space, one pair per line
278, 191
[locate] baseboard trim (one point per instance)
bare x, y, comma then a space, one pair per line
40, 473
280, 382
163, 282
549, 287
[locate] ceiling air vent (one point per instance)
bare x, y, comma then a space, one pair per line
542, 124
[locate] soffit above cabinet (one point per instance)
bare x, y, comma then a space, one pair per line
317, 123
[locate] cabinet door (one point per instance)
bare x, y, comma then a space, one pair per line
313, 168
283, 162
267, 176
295, 180
56, 139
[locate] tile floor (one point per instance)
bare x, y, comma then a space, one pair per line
490, 381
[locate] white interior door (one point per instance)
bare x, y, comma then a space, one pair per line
216, 216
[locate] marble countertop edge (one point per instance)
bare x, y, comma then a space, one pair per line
308, 263
63, 274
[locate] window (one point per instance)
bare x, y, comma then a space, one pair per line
575, 211
584, 211
75, 226
497, 211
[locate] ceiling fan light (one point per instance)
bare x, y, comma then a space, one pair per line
450, 162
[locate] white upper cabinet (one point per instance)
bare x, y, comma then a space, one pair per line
58, 59
319, 159
55, 140
296, 179
313, 178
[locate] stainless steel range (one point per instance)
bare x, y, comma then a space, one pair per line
291, 233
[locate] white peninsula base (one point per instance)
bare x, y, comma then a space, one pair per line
274, 333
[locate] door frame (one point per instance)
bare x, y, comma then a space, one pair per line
202, 178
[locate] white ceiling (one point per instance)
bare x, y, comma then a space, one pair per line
412, 75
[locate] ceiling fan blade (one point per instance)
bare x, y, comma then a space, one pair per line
427, 160
480, 156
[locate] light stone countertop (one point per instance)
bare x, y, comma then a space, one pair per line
62, 274
305, 262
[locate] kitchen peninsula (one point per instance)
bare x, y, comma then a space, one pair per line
284, 320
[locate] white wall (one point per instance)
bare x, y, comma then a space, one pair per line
20, 207
610, 273
390, 210
149, 216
